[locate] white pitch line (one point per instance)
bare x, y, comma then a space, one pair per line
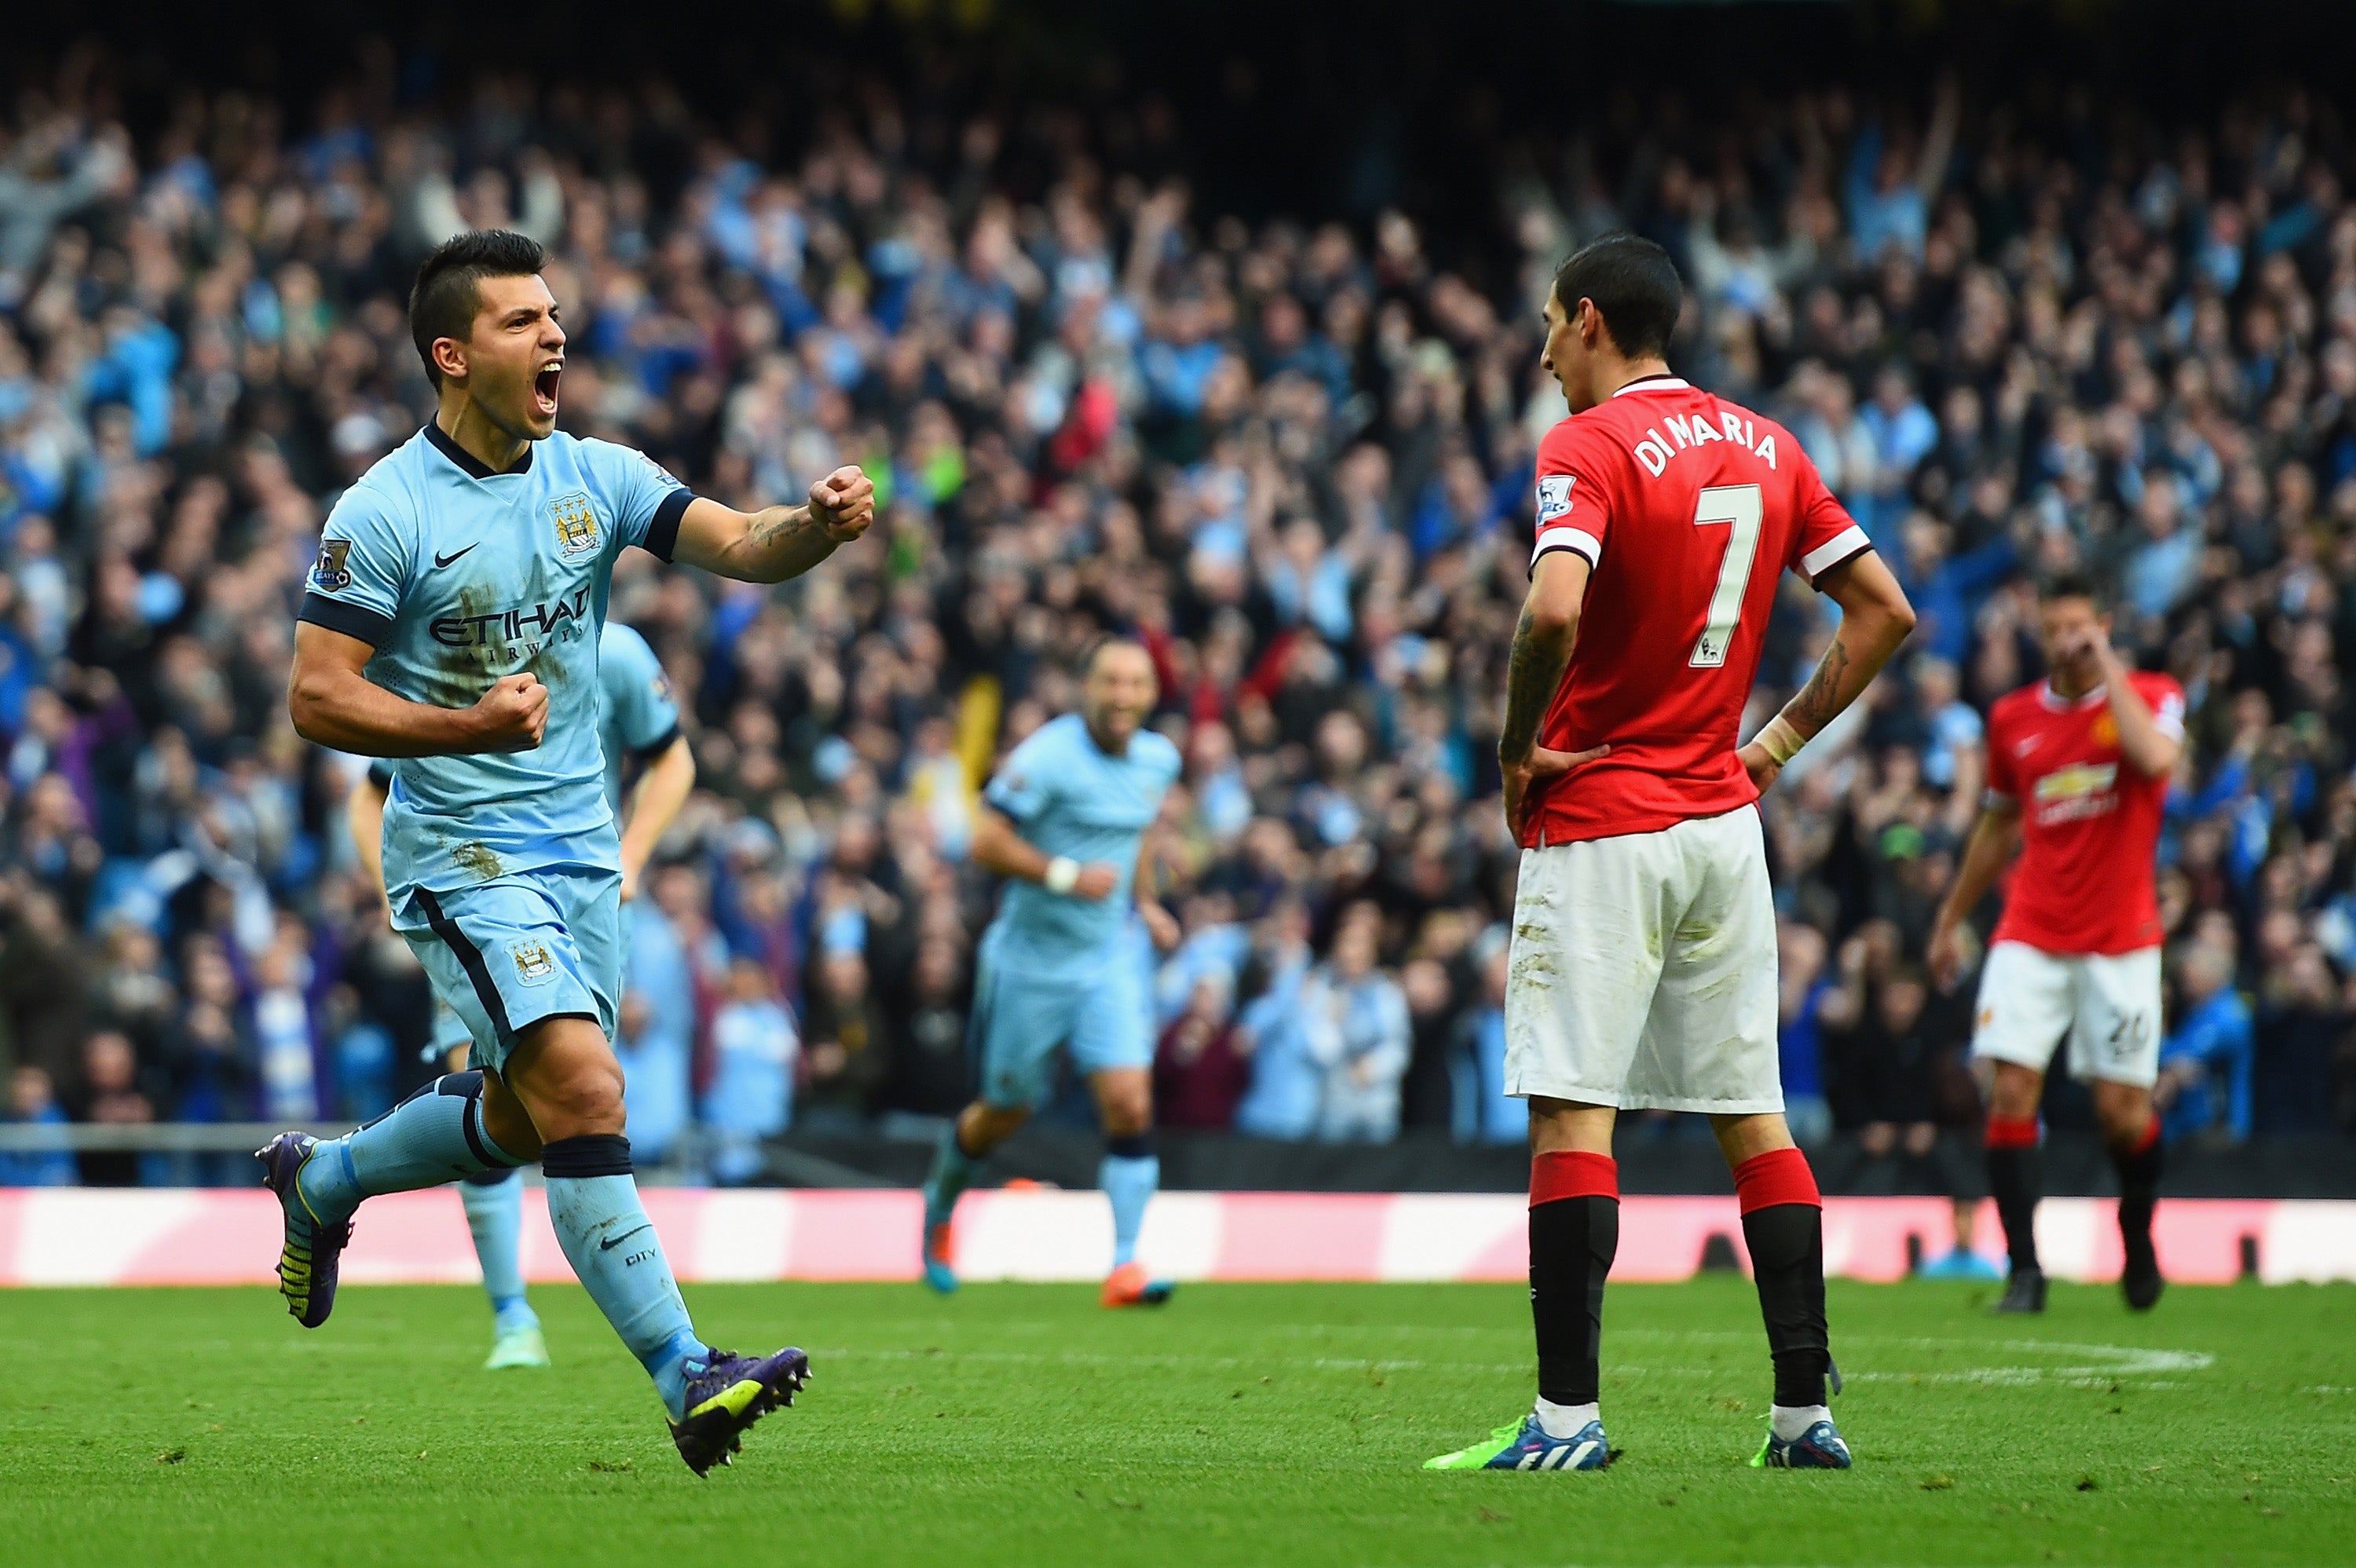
2115, 1362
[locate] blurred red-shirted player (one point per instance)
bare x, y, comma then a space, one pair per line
2078, 770
1643, 968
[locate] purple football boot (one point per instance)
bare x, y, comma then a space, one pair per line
307, 1263
731, 1393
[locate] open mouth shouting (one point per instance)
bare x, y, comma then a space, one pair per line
543, 388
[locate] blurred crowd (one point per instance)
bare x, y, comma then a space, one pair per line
1294, 457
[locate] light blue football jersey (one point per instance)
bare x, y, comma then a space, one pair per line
1067, 797
640, 717
457, 576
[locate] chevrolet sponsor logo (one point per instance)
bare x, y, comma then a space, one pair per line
2076, 782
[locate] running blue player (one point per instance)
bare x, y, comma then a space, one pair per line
451, 624
639, 723
1062, 966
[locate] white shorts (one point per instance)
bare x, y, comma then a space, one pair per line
2107, 1003
1643, 973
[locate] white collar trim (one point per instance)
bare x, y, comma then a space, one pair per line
2055, 703
1655, 384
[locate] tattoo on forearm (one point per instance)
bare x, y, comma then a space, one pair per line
1532, 673
782, 524
1820, 699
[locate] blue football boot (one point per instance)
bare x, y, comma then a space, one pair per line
1818, 1448
1527, 1447
938, 1271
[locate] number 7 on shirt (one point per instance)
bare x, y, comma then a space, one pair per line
1740, 506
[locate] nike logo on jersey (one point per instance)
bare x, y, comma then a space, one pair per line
2022, 748
610, 1243
441, 560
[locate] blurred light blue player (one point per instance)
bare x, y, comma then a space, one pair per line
452, 622
638, 726
1064, 967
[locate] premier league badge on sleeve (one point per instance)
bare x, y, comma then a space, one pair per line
1554, 495
576, 524
330, 575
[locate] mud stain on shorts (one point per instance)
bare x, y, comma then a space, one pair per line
1534, 963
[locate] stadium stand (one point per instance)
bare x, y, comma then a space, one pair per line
1292, 450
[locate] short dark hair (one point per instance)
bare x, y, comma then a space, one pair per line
2070, 585
1632, 282
1106, 641
447, 292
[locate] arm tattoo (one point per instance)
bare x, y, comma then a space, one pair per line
783, 542
1820, 699
1533, 674
781, 523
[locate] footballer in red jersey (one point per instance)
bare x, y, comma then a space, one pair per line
1643, 967
2078, 771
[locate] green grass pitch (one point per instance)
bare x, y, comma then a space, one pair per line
1243, 1424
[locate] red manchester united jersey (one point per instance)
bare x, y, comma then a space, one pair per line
1690, 508
2089, 821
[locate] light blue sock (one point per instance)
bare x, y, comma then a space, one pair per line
494, 1214
434, 1136
953, 1170
1130, 1180
593, 1201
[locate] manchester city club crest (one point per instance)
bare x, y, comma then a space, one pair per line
330, 575
533, 961
576, 524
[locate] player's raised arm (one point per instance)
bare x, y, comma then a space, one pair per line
1875, 618
780, 542
333, 704
2150, 743
1541, 651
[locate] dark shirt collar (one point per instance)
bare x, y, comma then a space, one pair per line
466, 461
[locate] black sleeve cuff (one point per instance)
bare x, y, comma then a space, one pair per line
662, 531
655, 747
351, 620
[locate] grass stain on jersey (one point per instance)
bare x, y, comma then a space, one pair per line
475, 858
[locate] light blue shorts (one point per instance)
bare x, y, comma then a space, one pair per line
505, 954
1100, 1012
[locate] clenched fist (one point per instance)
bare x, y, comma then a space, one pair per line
844, 503
512, 715
1096, 881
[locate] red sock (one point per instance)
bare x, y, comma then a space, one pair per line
1783, 1226
2011, 1132
1572, 1173
1574, 1233
1779, 1175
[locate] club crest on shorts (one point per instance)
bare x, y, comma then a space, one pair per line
576, 524
331, 575
535, 962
